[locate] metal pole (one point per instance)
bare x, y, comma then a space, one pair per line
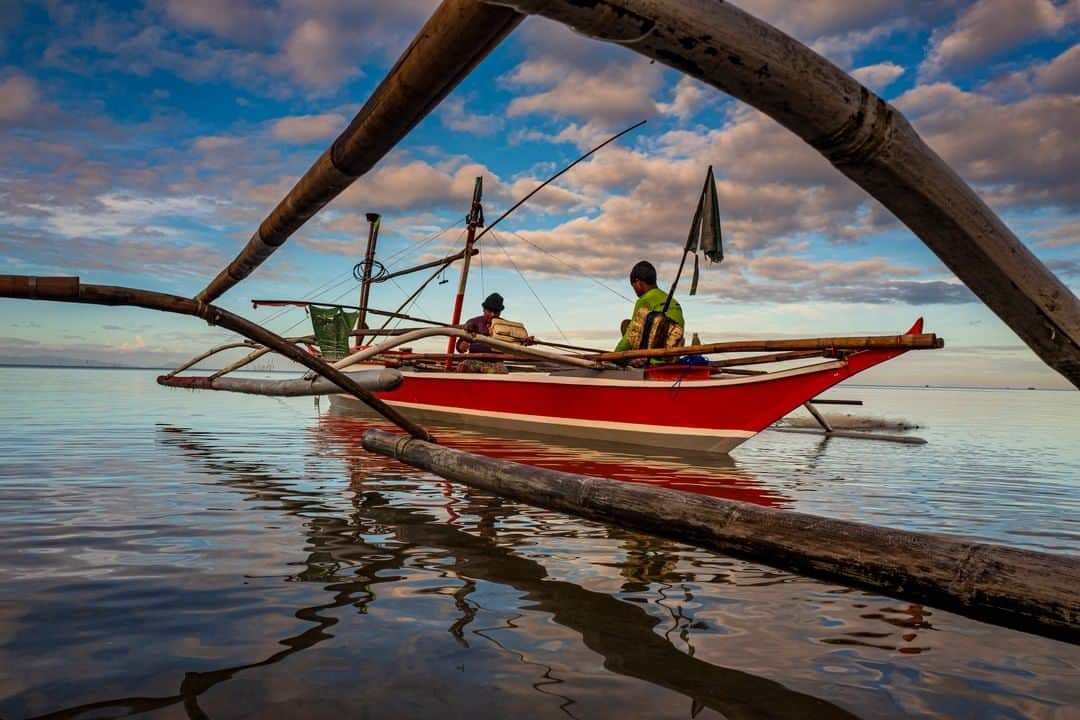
374, 220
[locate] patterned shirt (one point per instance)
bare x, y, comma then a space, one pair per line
653, 300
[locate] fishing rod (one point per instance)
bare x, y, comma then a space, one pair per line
447, 262
554, 177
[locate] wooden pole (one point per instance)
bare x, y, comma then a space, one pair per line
818, 416
459, 34
1023, 589
441, 263
71, 290
476, 219
860, 134
374, 220
921, 341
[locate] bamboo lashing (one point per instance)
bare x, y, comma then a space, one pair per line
71, 290
459, 34
921, 341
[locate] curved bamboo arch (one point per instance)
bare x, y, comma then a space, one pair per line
859, 133
863, 136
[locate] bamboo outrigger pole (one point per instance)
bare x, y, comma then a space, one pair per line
69, 289
1023, 589
920, 341
859, 133
459, 34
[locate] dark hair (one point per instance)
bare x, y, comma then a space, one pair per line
493, 302
645, 272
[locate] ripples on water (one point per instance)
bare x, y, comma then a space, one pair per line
176, 554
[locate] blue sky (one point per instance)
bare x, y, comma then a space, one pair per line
144, 141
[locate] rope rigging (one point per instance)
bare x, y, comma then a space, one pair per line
502, 246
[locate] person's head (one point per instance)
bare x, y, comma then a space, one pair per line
623, 326
493, 305
643, 277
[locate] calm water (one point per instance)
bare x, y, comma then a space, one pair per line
175, 554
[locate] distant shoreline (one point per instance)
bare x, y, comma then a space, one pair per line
42, 366
169, 369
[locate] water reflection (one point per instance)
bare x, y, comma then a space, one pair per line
689, 471
234, 571
620, 632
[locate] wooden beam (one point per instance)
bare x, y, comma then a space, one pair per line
459, 34
864, 137
1023, 589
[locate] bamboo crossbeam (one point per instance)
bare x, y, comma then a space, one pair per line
921, 341
864, 137
520, 350
71, 290
442, 262
202, 356
1027, 590
459, 34
242, 362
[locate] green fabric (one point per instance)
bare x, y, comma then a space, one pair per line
654, 300
332, 327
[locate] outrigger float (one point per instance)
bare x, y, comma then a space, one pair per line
863, 136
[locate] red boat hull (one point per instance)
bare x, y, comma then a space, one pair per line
713, 415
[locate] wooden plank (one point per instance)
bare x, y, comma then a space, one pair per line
1027, 590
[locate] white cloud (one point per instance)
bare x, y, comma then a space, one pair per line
878, 76
454, 116
1022, 153
1062, 74
690, 95
619, 93
815, 18
989, 27
308, 128
314, 56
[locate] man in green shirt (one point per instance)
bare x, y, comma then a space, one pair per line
643, 281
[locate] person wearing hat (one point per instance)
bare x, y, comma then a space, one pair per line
481, 325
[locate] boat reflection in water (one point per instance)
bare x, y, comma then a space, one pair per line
697, 472
392, 531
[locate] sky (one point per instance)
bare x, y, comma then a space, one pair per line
143, 142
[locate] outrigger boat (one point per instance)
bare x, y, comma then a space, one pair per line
575, 393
